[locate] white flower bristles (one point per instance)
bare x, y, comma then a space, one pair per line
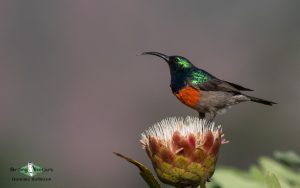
165, 129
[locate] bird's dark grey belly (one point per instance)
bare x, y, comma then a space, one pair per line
214, 101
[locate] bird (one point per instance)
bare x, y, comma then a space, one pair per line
202, 91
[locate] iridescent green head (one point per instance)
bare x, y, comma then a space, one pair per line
176, 63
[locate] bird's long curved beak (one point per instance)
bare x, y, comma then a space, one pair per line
165, 57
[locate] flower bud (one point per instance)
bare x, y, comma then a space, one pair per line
183, 152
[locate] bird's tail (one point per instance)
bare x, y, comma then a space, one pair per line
262, 101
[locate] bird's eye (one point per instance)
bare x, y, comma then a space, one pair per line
176, 59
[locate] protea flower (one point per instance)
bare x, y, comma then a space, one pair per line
183, 152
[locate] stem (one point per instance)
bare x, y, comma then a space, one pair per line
202, 185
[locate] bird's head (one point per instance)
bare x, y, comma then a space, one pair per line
176, 63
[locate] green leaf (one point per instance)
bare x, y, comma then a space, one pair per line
269, 172
144, 172
231, 178
272, 181
289, 157
282, 172
256, 173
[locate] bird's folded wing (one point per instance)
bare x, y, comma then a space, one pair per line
220, 85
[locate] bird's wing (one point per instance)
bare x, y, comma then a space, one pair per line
220, 85
241, 88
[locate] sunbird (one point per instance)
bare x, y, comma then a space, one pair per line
201, 90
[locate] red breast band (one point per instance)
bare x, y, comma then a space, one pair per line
189, 96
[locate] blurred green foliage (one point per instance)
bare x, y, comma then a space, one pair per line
281, 172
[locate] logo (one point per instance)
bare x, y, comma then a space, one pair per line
30, 170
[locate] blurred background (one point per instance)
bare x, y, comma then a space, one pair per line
73, 88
